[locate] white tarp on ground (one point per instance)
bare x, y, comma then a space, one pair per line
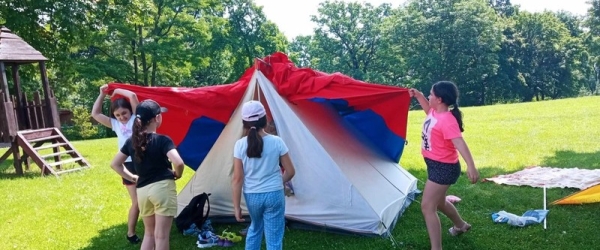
551, 177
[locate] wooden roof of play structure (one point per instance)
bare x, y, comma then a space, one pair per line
28, 125
14, 49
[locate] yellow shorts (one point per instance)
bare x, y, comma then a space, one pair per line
158, 198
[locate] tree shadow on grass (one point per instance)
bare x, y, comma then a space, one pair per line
572, 159
114, 238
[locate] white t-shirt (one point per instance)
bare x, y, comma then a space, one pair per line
123, 131
262, 175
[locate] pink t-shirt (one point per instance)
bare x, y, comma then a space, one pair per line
438, 131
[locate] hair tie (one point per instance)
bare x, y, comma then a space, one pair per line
138, 116
252, 127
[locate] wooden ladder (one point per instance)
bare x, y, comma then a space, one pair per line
32, 142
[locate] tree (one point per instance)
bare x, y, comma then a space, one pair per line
503, 8
300, 50
250, 35
544, 56
450, 40
592, 42
151, 42
54, 28
348, 37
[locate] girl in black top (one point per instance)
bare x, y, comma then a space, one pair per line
155, 179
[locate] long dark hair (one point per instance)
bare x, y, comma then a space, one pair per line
255, 141
448, 92
120, 103
139, 138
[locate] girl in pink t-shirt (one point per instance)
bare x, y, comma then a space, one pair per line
442, 138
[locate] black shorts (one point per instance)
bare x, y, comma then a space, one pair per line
129, 166
442, 173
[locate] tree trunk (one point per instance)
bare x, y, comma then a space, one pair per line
594, 87
143, 55
153, 81
135, 62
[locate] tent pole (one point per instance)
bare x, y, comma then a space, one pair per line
545, 218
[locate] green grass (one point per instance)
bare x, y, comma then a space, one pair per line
87, 209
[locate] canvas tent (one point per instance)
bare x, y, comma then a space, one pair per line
345, 139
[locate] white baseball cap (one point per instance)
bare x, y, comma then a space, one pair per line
252, 111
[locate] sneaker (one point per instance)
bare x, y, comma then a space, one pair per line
134, 239
207, 226
224, 243
244, 231
207, 239
205, 244
193, 230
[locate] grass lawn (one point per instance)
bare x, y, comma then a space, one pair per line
87, 209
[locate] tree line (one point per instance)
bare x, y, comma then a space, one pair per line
492, 49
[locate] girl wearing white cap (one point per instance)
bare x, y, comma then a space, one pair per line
256, 168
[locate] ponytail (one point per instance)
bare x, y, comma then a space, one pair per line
255, 143
448, 92
254, 139
139, 139
458, 115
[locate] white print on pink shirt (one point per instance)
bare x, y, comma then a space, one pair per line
428, 125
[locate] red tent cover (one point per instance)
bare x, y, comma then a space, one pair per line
197, 116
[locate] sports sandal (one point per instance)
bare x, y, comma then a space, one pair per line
231, 236
454, 231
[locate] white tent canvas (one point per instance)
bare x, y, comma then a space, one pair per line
340, 183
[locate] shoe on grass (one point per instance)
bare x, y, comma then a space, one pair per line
455, 231
134, 239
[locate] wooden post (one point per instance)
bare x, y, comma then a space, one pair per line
41, 110
31, 114
52, 119
4, 127
54, 109
16, 157
12, 128
3, 82
21, 110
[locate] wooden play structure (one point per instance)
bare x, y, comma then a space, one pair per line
31, 126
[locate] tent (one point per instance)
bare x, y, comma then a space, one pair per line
590, 195
345, 139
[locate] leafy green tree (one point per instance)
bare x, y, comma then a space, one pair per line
450, 40
300, 50
544, 56
250, 35
592, 43
503, 8
54, 28
348, 37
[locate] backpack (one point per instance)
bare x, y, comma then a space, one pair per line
193, 213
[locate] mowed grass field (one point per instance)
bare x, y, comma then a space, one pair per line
87, 209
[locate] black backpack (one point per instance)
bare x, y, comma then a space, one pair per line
193, 213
